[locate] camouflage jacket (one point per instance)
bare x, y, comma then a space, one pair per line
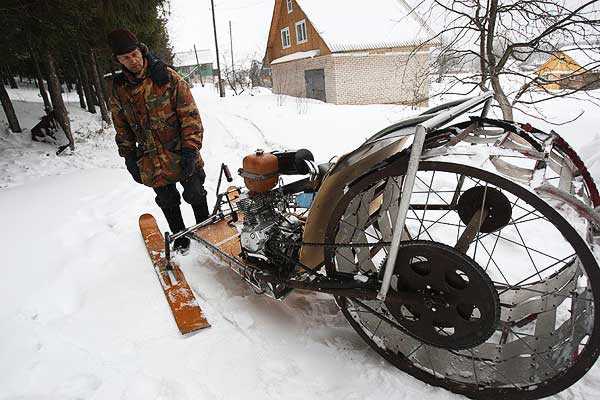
155, 122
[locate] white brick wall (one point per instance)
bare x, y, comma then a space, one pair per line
381, 78
360, 78
288, 78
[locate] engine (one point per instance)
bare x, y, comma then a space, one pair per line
270, 234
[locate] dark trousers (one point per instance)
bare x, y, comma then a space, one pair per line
193, 192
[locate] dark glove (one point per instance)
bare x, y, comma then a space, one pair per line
189, 160
132, 167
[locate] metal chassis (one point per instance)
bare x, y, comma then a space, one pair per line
342, 285
365, 291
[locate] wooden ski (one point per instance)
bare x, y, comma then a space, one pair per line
186, 311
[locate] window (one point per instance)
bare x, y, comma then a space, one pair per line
301, 32
289, 6
285, 37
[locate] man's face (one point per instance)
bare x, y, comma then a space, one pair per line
133, 61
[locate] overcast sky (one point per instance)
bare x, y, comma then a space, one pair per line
190, 23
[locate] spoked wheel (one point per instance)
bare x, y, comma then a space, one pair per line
509, 288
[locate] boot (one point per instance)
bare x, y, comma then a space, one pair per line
176, 224
200, 211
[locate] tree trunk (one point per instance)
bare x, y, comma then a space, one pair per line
69, 86
102, 82
90, 73
87, 89
78, 85
80, 94
492, 66
40, 81
59, 106
11, 79
13, 121
505, 106
99, 89
4, 75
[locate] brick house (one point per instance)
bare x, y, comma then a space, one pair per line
349, 51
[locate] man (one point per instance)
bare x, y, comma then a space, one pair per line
159, 131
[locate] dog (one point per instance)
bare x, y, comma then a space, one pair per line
45, 129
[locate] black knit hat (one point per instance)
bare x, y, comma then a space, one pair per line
122, 41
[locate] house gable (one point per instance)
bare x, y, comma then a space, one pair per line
559, 63
282, 19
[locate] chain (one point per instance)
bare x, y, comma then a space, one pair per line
300, 244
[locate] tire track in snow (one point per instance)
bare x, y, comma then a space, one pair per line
267, 142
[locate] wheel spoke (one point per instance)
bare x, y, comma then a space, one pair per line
426, 200
528, 252
526, 247
516, 285
421, 221
435, 192
359, 229
433, 223
495, 264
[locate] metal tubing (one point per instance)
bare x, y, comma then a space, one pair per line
449, 115
411, 174
486, 108
202, 224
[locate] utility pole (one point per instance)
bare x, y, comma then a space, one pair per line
198, 66
221, 91
231, 45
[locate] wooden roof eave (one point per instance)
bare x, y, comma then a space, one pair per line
272, 31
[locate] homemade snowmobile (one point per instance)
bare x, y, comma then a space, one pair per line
462, 252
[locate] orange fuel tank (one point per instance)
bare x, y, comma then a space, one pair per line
260, 171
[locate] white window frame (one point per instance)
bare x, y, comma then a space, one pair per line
303, 23
286, 30
290, 6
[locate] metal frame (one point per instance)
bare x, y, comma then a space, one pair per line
411, 174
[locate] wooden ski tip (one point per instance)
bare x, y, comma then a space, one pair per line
185, 309
146, 218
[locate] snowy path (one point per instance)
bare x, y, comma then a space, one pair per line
81, 312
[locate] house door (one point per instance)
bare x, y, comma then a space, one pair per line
315, 84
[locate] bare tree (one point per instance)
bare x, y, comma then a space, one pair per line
13, 121
97, 81
496, 37
59, 108
85, 82
237, 79
40, 80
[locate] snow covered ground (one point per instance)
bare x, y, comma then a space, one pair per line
82, 315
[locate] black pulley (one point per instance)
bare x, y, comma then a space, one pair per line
496, 204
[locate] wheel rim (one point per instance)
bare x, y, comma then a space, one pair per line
544, 273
